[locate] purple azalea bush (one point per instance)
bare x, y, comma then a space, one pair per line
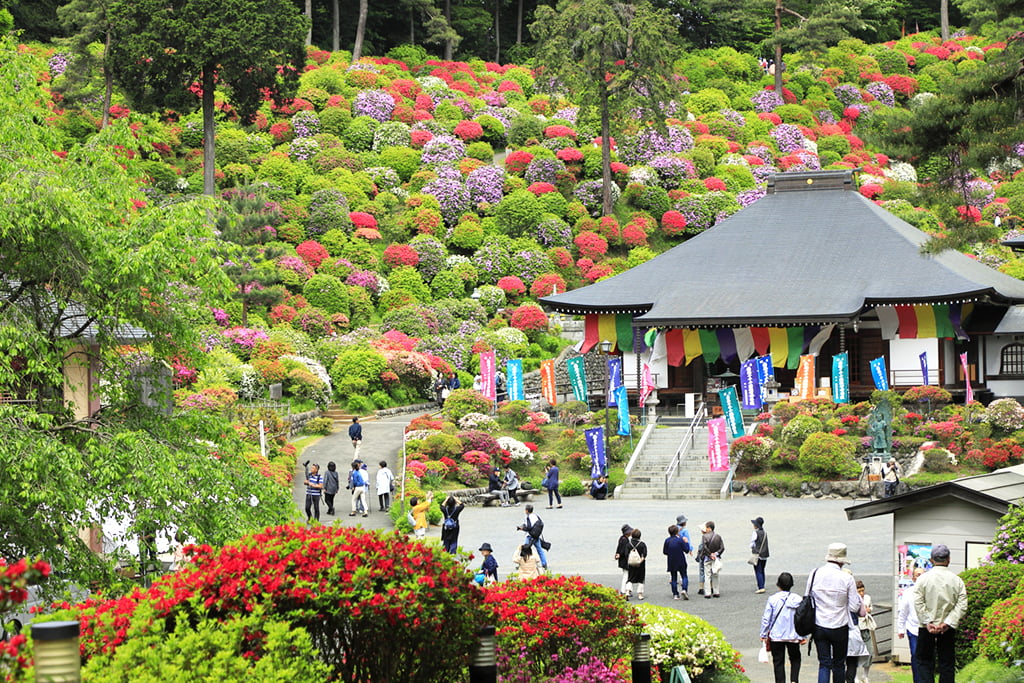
554, 232
493, 260
672, 170
848, 94
443, 149
303, 149
377, 104
766, 101
544, 170
883, 93
485, 185
590, 193
637, 149
305, 124
452, 195
788, 137
432, 255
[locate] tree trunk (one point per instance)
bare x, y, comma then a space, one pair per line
108, 84
519, 24
357, 49
944, 19
412, 26
497, 31
309, 13
778, 48
209, 163
606, 155
448, 47
335, 26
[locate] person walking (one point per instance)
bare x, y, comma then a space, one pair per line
834, 592
511, 483
331, 486
907, 624
858, 654
778, 631
714, 548
675, 549
358, 484
551, 484
451, 508
534, 528
622, 558
759, 548
419, 514
940, 599
636, 563
439, 388
385, 482
355, 432
700, 561
314, 488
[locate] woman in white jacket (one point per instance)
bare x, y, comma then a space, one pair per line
778, 632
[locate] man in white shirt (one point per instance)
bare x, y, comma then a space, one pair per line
835, 596
906, 618
940, 599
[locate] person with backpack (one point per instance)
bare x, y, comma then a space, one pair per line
675, 549
534, 528
778, 632
833, 594
357, 484
636, 562
355, 432
622, 557
451, 508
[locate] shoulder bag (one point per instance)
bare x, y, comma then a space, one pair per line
804, 616
755, 556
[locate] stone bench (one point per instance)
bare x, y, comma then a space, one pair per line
489, 498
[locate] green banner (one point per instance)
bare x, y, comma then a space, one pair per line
731, 411
577, 378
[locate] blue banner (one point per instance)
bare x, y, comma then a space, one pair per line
731, 410
841, 378
749, 386
614, 381
924, 368
514, 379
879, 374
622, 400
765, 372
595, 446
577, 378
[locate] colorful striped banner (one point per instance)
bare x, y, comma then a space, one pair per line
624, 332
591, 335
727, 343
616, 328
795, 337
925, 321
762, 340
547, 381
718, 445
607, 330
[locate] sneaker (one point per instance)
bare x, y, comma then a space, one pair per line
559, 507
700, 592
675, 597
707, 597
716, 595
759, 590
351, 514
365, 515
640, 596
685, 596
549, 507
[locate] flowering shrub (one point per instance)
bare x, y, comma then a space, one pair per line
512, 286
468, 131
827, 456
1005, 415
516, 449
461, 402
1008, 544
1004, 453
345, 586
529, 317
755, 452
988, 585
312, 252
590, 244
924, 393
543, 623
546, 285
396, 255
478, 422
678, 638
485, 185
517, 161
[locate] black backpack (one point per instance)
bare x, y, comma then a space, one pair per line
804, 616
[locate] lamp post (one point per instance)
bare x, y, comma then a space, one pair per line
606, 348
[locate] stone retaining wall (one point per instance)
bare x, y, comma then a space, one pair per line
827, 489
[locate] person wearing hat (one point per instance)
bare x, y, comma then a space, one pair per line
759, 547
940, 600
622, 558
835, 596
494, 485
490, 566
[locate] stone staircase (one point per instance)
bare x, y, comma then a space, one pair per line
694, 481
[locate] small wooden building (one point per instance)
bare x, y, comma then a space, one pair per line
813, 267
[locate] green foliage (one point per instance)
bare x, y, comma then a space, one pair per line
571, 487
357, 364
937, 460
678, 638
1009, 535
827, 456
523, 128
798, 429
462, 402
327, 292
982, 670
776, 483
518, 213
321, 426
986, 586
706, 101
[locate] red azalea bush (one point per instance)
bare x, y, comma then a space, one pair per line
543, 625
590, 244
349, 588
361, 219
529, 317
871, 190
715, 184
546, 285
312, 252
517, 161
468, 131
512, 285
673, 223
540, 188
396, 255
558, 131
569, 155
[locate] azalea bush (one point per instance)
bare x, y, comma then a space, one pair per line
927, 393
350, 589
678, 638
986, 585
543, 624
827, 456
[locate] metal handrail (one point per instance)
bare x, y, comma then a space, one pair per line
684, 445
726, 490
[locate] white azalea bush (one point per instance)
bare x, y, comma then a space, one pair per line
1005, 414
681, 638
516, 449
477, 421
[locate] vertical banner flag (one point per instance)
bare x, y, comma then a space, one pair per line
967, 377
647, 384
547, 381
879, 374
622, 400
577, 378
805, 377
595, 445
731, 410
614, 381
765, 372
841, 378
924, 367
749, 385
488, 370
514, 379
718, 445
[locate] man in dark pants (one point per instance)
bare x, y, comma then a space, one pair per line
940, 599
835, 596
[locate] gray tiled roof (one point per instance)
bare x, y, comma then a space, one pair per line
800, 255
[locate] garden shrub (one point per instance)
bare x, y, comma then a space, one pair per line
1001, 638
1005, 415
756, 452
937, 460
827, 456
512, 414
464, 401
360, 405
439, 446
798, 429
547, 624
776, 483
571, 487
518, 213
363, 364
983, 670
328, 293
319, 426
678, 638
329, 580
986, 585
1009, 538
785, 411
925, 393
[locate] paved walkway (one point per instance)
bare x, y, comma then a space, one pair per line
583, 536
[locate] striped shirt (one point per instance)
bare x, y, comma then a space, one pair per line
314, 479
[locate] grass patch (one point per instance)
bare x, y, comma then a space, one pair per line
932, 478
304, 442
776, 483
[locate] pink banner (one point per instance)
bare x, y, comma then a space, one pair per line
718, 445
647, 384
967, 378
487, 372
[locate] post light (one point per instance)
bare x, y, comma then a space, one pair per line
58, 659
483, 667
606, 348
642, 659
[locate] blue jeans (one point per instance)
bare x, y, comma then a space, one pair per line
552, 494
912, 640
539, 549
831, 644
931, 646
674, 576
759, 573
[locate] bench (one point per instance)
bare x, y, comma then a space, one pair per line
490, 498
